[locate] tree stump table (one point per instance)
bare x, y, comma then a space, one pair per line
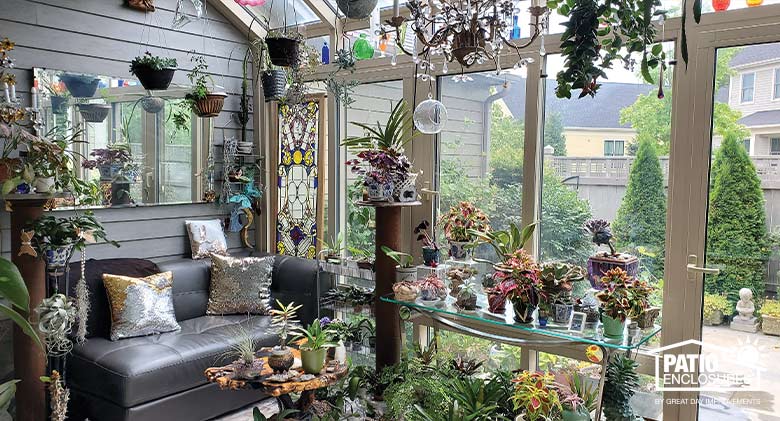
331, 373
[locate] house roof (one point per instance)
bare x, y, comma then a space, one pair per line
761, 118
756, 53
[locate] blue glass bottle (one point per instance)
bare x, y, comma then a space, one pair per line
325, 53
515, 28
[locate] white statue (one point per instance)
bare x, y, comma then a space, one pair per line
745, 321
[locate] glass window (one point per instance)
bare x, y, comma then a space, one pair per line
283, 13
614, 147
746, 144
748, 84
776, 85
774, 147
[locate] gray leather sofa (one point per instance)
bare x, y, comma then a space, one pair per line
160, 377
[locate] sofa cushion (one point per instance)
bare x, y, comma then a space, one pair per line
191, 280
137, 370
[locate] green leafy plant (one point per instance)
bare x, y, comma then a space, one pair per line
403, 260
398, 131
535, 395
281, 416
770, 308
558, 280
198, 77
462, 221
622, 296
284, 321
150, 61
335, 246
621, 383
52, 232
586, 391
505, 242
316, 336
714, 303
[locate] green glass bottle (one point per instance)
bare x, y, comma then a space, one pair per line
362, 48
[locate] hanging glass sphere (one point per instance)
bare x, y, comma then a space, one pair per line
430, 116
152, 104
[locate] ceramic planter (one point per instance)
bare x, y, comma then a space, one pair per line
357, 9
284, 52
210, 106
458, 250
379, 192
274, 84
405, 274
579, 415
523, 311
714, 319
312, 361
59, 104
770, 325
496, 303
154, 80
600, 264
109, 172
338, 353
94, 113
562, 313
80, 86
543, 318
430, 256
44, 184
405, 190
431, 294
59, 256
613, 328
281, 360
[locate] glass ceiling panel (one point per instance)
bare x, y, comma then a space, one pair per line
273, 11
382, 4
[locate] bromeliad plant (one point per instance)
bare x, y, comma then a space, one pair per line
536, 396
623, 296
463, 221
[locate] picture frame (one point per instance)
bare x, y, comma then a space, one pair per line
577, 322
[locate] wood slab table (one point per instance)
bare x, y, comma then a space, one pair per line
331, 373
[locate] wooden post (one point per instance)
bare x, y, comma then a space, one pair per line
29, 359
388, 321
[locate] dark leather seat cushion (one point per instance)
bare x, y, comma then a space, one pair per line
137, 370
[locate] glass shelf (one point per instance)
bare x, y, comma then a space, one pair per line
448, 310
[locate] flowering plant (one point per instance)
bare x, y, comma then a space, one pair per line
519, 279
380, 165
536, 396
431, 286
623, 296
463, 218
113, 154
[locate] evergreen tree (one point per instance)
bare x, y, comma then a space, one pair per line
737, 238
553, 133
641, 219
563, 216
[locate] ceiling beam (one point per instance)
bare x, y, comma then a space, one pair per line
239, 17
323, 11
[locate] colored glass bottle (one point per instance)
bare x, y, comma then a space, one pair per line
515, 28
720, 5
362, 48
325, 53
754, 3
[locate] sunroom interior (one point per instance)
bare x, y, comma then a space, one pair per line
452, 210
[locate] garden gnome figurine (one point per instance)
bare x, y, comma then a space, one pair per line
745, 321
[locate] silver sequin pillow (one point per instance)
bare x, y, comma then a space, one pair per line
140, 306
206, 238
240, 285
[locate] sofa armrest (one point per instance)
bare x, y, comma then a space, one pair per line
295, 279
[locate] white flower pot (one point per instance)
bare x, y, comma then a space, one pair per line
44, 185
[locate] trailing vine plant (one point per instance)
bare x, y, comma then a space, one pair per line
601, 32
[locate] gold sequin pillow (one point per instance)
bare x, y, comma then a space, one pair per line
240, 285
140, 306
206, 238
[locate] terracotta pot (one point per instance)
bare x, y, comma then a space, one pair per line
210, 106
281, 360
313, 361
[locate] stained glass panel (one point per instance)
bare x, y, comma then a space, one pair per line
297, 229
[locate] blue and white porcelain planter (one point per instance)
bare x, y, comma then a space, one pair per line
58, 258
109, 172
458, 250
562, 312
379, 192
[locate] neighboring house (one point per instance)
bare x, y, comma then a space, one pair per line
754, 90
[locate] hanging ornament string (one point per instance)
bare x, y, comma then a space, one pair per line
82, 301
663, 62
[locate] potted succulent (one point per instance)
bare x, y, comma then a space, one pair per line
431, 288
109, 161
461, 223
621, 297
600, 263
79, 85
467, 297
558, 281
155, 73
715, 307
404, 269
55, 238
622, 381
770, 317
283, 322
201, 99
430, 249
406, 290
535, 396
284, 47
522, 284
577, 398
459, 276
380, 160
245, 363
313, 351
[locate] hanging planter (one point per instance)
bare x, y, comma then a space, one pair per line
357, 9
283, 51
80, 86
155, 73
274, 84
94, 113
59, 104
211, 105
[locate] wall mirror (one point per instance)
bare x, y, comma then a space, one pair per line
140, 145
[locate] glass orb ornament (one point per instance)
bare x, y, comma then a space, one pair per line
430, 116
721, 5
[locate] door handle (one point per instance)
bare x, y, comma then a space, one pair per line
693, 267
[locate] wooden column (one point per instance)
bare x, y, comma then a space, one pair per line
29, 359
388, 321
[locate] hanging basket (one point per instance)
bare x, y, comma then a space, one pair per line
210, 106
94, 113
154, 80
284, 52
59, 104
80, 86
274, 84
357, 9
